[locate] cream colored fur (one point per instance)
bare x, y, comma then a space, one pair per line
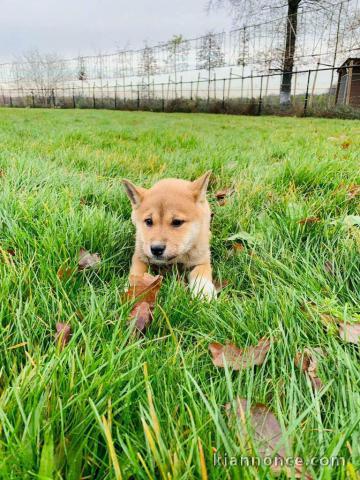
156, 213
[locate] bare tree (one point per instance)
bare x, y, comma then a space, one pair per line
148, 65
242, 10
177, 55
43, 72
210, 55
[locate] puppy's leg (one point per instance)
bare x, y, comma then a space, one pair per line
138, 267
201, 281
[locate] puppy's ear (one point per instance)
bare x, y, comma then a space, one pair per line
200, 185
135, 194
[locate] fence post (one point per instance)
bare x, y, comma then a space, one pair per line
260, 96
229, 85
349, 82
181, 87
307, 93
314, 83
94, 99
223, 93
53, 97
138, 98
162, 98
115, 105
295, 85
73, 92
197, 86
191, 90
33, 98
11, 102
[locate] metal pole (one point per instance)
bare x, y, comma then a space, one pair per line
229, 84
307, 93
336, 44
223, 93
260, 96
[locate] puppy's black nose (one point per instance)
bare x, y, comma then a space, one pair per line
157, 250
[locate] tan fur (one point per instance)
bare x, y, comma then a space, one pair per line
167, 201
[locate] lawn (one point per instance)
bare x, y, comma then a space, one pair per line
111, 404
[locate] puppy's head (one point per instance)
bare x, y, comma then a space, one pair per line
170, 217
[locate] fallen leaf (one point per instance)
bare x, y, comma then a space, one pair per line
353, 190
261, 429
220, 285
346, 144
11, 252
144, 289
350, 332
238, 247
64, 273
221, 195
142, 314
88, 260
329, 267
309, 220
238, 358
306, 361
63, 334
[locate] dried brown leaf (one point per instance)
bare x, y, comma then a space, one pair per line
220, 285
350, 332
144, 289
353, 190
238, 358
142, 312
64, 273
346, 144
329, 267
306, 361
309, 220
63, 334
221, 195
238, 247
88, 260
261, 429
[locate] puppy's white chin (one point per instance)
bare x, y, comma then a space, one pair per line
161, 261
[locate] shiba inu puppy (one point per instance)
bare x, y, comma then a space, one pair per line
172, 221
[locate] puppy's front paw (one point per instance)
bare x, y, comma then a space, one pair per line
203, 288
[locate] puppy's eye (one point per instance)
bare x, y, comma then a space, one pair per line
149, 222
177, 223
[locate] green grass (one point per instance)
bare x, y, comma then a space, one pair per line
60, 190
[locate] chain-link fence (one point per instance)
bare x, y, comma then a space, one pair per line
325, 92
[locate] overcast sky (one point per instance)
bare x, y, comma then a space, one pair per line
73, 27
